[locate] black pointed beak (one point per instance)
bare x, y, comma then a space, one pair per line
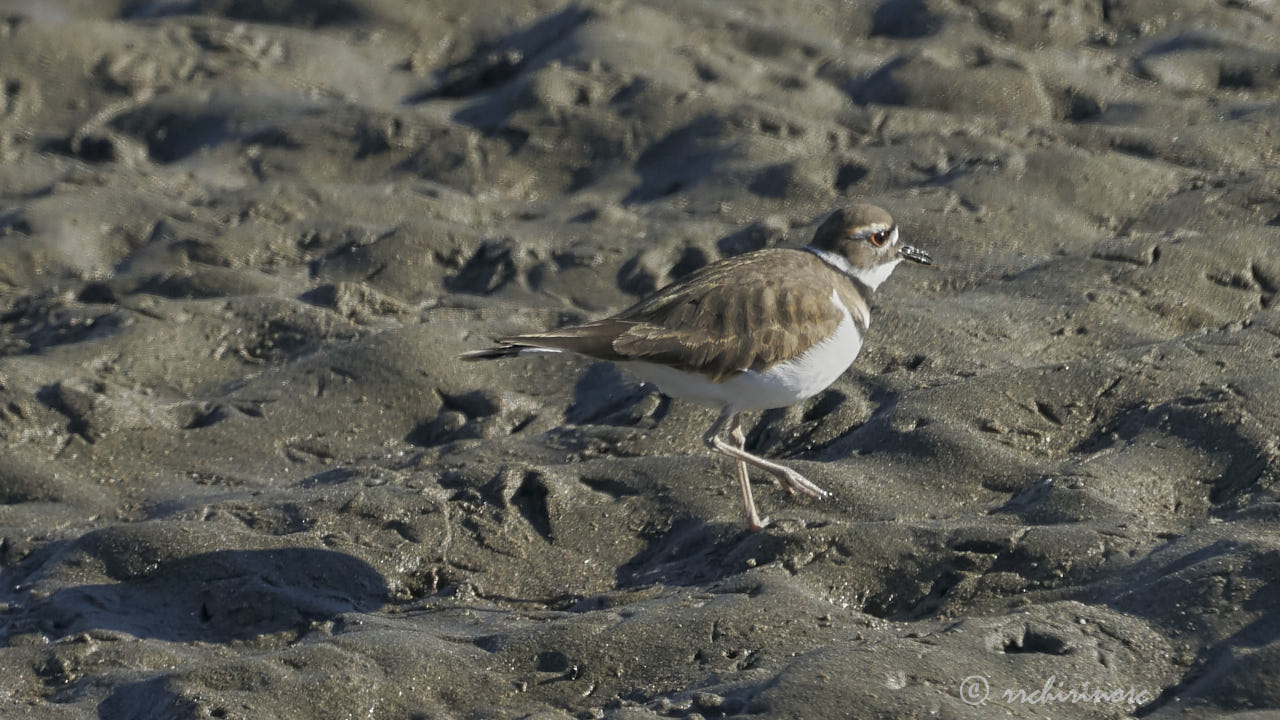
915, 254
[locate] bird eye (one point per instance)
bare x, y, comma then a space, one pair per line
878, 239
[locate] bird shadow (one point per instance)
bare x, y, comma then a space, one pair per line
694, 552
604, 395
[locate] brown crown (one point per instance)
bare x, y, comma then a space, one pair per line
841, 224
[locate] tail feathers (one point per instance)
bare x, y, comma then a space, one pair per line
493, 353
505, 350
593, 339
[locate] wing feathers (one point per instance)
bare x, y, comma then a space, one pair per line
749, 312
745, 313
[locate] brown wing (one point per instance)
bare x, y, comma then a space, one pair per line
748, 312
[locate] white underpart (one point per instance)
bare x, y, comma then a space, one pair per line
538, 351
783, 384
871, 277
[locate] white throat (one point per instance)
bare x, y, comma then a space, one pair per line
871, 277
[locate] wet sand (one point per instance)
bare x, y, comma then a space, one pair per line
243, 476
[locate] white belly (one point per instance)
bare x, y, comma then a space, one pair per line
781, 385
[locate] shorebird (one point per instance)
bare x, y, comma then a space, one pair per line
762, 330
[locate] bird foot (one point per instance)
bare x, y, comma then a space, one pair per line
794, 482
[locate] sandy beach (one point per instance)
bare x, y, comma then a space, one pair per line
243, 475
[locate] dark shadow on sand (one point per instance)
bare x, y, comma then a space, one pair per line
697, 553
215, 597
1156, 589
303, 13
1182, 419
488, 74
700, 145
875, 435
605, 395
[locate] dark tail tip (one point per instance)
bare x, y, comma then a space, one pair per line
493, 353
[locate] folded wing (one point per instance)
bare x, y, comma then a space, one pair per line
746, 313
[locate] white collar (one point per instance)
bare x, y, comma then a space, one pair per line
871, 278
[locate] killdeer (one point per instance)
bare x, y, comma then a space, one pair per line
762, 330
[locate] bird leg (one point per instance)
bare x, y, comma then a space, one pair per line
789, 478
754, 521
713, 441
739, 437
